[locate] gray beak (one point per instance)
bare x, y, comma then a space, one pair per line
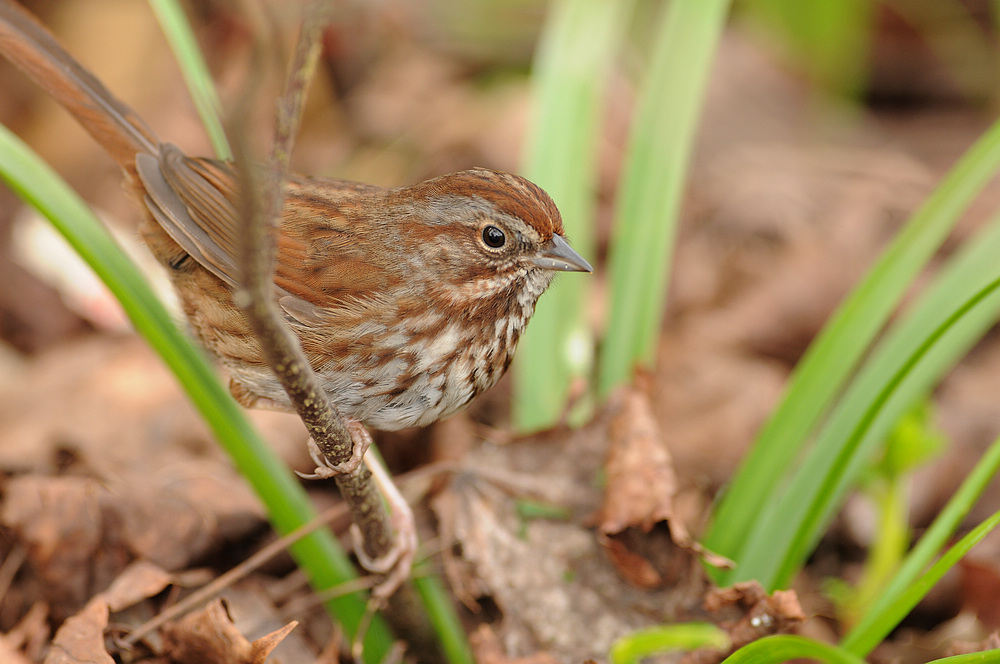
558, 255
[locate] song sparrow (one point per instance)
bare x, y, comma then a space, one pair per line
407, 302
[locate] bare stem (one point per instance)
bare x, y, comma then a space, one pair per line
262, 200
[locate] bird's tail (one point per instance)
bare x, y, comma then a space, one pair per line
26, 43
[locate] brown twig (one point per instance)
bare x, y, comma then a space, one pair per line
262, 200
210, 590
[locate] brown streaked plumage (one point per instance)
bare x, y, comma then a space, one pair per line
408, 302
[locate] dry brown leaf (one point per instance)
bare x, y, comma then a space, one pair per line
164, 523
640, 473
748, 613
139, 581
486, 649
81, 637
71, 547
210, 635
263, 646
640, 492
207, 636
634, 568
80, 640
555, 587
980, 590
991, 642
10, 654
80, 536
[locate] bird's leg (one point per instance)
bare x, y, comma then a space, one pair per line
398, 560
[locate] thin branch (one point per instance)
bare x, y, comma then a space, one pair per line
262, 201
212, 589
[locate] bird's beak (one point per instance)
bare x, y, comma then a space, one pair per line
558, 255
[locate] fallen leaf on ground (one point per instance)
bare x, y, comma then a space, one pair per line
80, 640
140, 580
9, 653
640, 473
991, 642
80, 535
73, 550
980, 581
209, 635
747, 613
486, 649
549, 578
640, 492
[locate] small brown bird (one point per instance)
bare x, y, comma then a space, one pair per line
407, 302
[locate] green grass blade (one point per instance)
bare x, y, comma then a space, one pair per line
182, 42
580, 41
286, 502
650, 194
787, 647
644, 643
879, 619
948, 319
830, 39
836, 352
890, 613
440, 607
984, 657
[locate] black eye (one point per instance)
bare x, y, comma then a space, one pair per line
494, 237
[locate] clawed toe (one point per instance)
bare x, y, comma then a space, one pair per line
361, 440
395, 563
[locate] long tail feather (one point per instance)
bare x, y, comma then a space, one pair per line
26, 43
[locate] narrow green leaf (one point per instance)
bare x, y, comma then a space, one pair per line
182, 42
787, 647
984, 657
650, 193
836, 352
890, 613
904, 367
440, 607
829, 39
664, 638
880, 619
579, 43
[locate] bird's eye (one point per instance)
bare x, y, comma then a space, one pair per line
494, 237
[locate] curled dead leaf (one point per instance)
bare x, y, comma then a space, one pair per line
748, 613
139, 581
209, 635
81, 638
641, 491
263, 646
641, 482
